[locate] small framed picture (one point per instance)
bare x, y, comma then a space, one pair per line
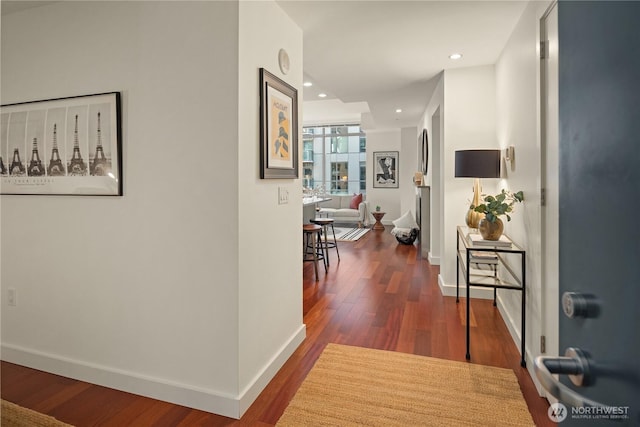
63, 146
278, 128
385, 169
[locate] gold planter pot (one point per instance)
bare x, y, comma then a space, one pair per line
490, 230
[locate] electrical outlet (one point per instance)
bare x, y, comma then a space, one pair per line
11, 296
283, 196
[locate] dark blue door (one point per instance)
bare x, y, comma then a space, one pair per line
599, 120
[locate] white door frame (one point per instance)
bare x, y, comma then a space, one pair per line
549, 159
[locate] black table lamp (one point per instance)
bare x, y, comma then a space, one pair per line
477, 164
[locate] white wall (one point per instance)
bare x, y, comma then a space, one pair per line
410, 158
145, 292
470, 111
433, 121
517, 89
387, 198
270, 252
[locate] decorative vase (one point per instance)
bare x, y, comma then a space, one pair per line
490, 230
473, 218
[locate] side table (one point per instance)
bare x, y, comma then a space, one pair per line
378, 216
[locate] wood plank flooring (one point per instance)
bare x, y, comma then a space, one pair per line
380, 295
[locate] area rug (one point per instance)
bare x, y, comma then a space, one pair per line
16, 416
351, 386
348, 234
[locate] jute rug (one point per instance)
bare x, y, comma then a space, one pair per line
16, 416
353, 386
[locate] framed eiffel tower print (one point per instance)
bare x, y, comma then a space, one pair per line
278, 128
63, 146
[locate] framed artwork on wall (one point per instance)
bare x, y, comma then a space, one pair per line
278, 128
63, 146
385, 169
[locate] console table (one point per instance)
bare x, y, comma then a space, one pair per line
492, 258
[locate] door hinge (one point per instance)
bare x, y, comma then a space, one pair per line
543, 344
543, 49
543, 197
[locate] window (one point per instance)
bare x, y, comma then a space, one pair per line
339, 177
334, 156
307, 164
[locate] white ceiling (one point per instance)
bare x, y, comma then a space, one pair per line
377, 56
386, 53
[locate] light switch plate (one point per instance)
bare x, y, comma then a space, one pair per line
283, 196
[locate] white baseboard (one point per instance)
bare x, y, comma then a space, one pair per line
251, 392
514, 331
434, 259
157, 388
449, 290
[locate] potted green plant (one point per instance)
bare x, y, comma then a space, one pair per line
491, 226
377, 208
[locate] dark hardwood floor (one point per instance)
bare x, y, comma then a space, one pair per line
381, 295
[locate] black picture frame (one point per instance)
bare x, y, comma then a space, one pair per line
80, 138
278, 128
385, 169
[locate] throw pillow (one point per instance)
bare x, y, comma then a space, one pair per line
405, 221
355, 201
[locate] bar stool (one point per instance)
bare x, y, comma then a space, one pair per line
313, 250
325, 223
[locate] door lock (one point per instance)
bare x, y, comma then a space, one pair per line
575, 304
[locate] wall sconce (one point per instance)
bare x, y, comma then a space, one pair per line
510, 156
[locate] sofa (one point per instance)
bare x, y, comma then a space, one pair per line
339, 209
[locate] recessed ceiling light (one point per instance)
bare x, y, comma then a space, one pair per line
399, 110
307, 84
322, 95
455, 56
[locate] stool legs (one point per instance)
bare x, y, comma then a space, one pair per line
335, 242
311, 236
313, 249
325, 247
325, 223
323, 250
315, 255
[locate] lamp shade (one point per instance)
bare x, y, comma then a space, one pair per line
477, 164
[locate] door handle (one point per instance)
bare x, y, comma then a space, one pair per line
576, 365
